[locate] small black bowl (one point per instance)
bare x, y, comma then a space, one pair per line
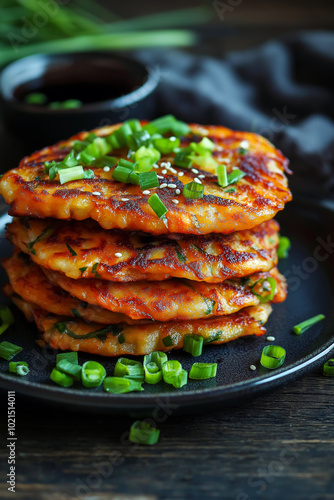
112, 88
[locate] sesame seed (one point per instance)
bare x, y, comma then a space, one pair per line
201, 176
118, 254
171, 169
194, 170
124, 199
171, 186
226, 160
244, 144
163, 185
155, 165
252, 367
164, 172
177, 191
106, 169
96, 193
180, 174
146, 191
176, 202
270, 338
197, 180
160, 176
165, 164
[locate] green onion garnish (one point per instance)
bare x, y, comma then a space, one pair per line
9, 350
157, 206
222, 175
71, 104
129, 368
262, 291
148, 180
193, 344
305, 325
328, 370
174, 374
182, 159
70, 249
283, 247
166, 145
72, 369
272, 356
205, 143
19, 367
192, 190
92, 374
143, 433
121, 174
203, 371
235, 176
153, 366
71, 174
71, 357
6, 318
242, 151
120, 385
61, 378
126, 164
166, 124
148, 153
82, 270
121, 338
36, 98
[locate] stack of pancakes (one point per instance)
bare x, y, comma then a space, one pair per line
100, 272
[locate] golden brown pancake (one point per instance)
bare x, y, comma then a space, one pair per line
171, 300
115, 340
257, 197
83, 249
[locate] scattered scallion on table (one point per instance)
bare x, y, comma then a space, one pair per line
203, 371
193, 344
9, 350
19, 367
284, 246
144, 433
328, 369
6, 318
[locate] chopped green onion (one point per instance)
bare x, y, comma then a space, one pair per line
166, 145
121, 338
19, 367
182, 159
173, 374
148, 180
206, 144
204, 161
283, 247
235, 176
9, 350
147, 152
70, 249
143, 165
193, 344
138, 139
192, 190
120, 385
61, 378
126, 164
203, 371
121, 174
129, 368
273, 356
242, 151
157, 206
71, 104
44, 234
82, 270
89, 174
328, 370
72, 369
36, 98
231, 190
167, 341
143, 433
71, 174
92, 374
153, 366
305, 325
6, 318
134, 178
166, 124
222, 175
71, 357
94, 270
260, 286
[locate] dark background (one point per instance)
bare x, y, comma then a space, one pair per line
278, 446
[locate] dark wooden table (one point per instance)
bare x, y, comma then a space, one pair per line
279, 446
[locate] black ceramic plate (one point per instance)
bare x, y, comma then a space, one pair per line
310, 273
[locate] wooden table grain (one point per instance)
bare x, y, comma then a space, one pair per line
279, 446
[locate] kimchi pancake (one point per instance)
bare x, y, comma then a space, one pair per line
255, 198
83, 248
29, 282
115, 340
175, 299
